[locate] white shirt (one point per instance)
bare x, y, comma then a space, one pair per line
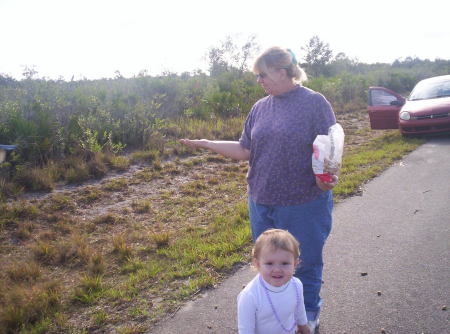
255, 314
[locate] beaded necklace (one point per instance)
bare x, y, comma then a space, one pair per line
275, 313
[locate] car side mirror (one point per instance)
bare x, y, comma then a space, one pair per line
397, 103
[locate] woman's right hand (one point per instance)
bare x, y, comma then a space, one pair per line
195, 143
230, 149
327, 185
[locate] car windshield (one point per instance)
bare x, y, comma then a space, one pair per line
431, 89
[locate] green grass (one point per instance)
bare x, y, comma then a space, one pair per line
89, 290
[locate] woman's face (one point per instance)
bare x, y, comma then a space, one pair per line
271, 80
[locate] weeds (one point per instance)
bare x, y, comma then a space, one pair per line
132, 265
96, 264
89, 290
119, 184
24, 271
141, 206
90, 195
25, 306
24, 231
120, 247
144, 156
44, 252
34, 179
161, 239
59, 202
120, 163
108, 218
75, 250
99, 318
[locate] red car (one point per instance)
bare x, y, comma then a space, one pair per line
425, 111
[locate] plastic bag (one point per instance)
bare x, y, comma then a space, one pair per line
327, 153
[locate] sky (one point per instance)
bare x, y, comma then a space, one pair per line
93, 39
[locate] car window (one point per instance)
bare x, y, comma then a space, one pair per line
430, 89
381, 97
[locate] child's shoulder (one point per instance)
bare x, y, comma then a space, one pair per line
251, 287
298, 282
249, 295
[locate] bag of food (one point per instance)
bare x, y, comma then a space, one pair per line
327, 153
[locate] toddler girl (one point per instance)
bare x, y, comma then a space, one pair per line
272, 303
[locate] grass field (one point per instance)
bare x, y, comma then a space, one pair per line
118, 255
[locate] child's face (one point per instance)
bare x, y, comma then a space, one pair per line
276, 265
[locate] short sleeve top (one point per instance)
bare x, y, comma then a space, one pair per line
279, 132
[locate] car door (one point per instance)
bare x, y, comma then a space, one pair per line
384, 107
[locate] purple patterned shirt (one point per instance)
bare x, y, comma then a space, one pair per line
279, 132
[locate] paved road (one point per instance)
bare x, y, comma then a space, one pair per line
397, 233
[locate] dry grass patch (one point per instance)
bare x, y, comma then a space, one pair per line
25, 306
119, 184
141, 206
59, 202
120, 247
24, 230
108, 218
161, 239
24, 271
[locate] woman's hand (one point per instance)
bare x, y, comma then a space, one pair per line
195, 143
327, 185
230, 149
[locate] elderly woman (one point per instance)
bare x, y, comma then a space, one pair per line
277, 141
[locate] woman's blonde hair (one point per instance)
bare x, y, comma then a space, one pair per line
279, 58
277, 239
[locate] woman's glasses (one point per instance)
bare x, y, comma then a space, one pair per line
261, 75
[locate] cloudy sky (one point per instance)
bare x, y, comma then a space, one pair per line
95, 38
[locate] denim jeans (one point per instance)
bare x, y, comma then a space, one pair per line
310, 223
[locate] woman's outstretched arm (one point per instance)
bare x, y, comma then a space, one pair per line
230, 149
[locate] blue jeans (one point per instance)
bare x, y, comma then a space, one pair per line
310, 223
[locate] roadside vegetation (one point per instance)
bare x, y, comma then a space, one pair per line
128, 224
